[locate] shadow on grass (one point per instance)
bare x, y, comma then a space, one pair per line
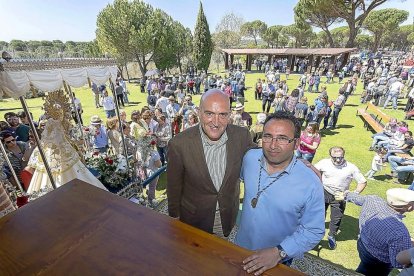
354, 105
345, 126
133, 103
328, 132
383, 177
350, 231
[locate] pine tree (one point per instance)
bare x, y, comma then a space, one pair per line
202, 44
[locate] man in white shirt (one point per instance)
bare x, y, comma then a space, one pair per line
162, 102
108, 104
394, 90
337, 175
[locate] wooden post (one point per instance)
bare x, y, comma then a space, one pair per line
310, 64
292, 65
226, 61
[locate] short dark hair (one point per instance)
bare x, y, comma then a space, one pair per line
5, 134
9, 114
285, 116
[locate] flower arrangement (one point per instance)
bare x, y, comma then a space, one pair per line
110, 171
145, 146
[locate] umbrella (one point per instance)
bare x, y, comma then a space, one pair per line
152, 72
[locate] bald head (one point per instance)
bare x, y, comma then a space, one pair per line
214, 95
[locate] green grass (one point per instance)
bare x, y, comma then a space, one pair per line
350, 134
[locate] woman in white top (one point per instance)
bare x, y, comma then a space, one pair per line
108, 105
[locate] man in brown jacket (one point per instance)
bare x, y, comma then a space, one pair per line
204, 163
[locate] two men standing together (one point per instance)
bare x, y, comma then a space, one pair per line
204, 176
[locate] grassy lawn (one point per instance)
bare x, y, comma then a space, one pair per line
349, 134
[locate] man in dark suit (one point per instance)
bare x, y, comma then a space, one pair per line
204, 163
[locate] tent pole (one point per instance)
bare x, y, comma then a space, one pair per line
72, 98
119, 122
42, 153
6, 157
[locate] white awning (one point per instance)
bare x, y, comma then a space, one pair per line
17, 83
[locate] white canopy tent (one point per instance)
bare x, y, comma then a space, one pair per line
17, 76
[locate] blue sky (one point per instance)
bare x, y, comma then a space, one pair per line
76, 19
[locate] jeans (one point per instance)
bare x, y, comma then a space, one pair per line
370, 265
265, 101
97, 100
126, 100
307, 156
120, 99
392, 96
110, 113
379, 137
316, 87
162, 151
334, 118
326, 118
391, 151
395, 163
337, 212
151, 188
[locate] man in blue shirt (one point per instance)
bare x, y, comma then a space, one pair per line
283, 209
382, 233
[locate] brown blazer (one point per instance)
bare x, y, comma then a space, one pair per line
191, 193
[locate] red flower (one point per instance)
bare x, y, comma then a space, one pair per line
153, 142
109, 161
96, 153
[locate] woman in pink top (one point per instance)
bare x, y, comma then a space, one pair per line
309, 142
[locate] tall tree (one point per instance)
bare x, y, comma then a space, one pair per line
227, 33
202, 43
18, 45
253, 29
300, 34
364, 41
130, 30
273, 35
230, 22
339, 36
398, 39
353, 12
310, 12
382, 21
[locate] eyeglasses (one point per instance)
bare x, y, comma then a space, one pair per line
8, 142
281, 140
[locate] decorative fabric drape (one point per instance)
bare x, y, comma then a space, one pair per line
17, 83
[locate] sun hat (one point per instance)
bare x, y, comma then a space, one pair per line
239, 106
399, 196
95, 120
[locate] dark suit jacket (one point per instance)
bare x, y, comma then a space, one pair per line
191, 193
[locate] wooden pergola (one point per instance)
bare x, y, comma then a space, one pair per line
314, 54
